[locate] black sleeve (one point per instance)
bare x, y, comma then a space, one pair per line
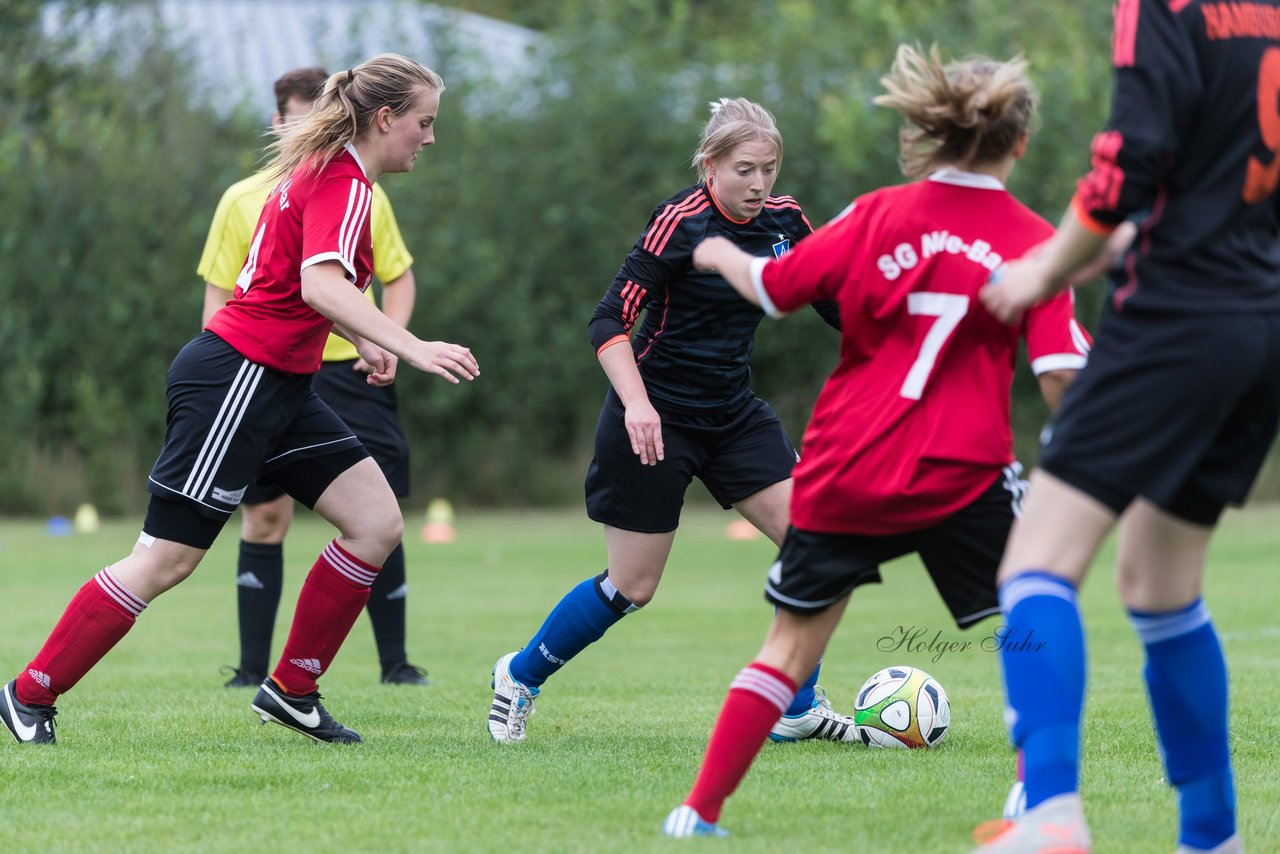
652, 263
1157, 84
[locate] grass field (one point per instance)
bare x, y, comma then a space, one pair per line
154, 754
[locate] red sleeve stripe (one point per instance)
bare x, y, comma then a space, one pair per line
1176, 6
787, 203
632, 294
1100, 189
665, 225
1124, 41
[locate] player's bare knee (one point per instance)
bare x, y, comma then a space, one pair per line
382, 530
154, 567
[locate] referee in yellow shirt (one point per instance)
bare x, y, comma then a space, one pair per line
370, 412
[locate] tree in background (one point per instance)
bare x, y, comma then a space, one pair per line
517, 220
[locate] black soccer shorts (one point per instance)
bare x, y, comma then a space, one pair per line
232, 421
735, 454
1177, 409
961, 554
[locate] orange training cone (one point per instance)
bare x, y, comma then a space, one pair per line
438, 525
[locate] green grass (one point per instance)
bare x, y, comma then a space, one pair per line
154, 754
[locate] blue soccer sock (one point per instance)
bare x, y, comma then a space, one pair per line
1186, 677
578, 620
805, 695
1043, 657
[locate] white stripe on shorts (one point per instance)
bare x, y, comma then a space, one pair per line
223, 430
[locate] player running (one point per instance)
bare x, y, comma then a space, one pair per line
909, 448
680, 407
369, 410
241, 407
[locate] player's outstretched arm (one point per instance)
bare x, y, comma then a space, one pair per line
722, 256
1042, 272
326, 289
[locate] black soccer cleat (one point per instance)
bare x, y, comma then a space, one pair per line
28, 724
405, 673
301, 714
242, 678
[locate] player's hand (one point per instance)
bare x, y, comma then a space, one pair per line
644, 426
708, 254
362, 367
444, 359
380, 364
1015, 287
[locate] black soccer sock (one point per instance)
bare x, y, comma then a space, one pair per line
387, 610
259, 577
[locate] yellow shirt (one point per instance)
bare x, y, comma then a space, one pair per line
232, 229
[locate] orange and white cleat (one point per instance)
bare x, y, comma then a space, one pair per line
1055, 826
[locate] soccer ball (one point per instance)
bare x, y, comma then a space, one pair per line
902, 707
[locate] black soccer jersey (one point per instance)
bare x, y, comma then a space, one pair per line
694, 346
1194, 138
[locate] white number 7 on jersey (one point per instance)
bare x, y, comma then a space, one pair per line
949, 309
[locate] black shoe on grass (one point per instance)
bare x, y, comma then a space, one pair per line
242, 678
405, 673
301, 714
28, 724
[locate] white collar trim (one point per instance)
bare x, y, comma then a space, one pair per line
352, 150
952, 175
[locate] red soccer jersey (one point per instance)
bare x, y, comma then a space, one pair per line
307, 219
913, 424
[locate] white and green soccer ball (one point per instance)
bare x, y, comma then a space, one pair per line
902, 707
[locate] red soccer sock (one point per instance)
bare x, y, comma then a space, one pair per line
333, 595
98, 616
757, 698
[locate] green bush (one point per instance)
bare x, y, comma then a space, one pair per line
518, 218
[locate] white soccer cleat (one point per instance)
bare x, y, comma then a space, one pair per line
820, 721
684, 822
1230, 846
1015, 804
512, 703
1056, 826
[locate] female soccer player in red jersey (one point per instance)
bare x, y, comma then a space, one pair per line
241, 406
680, 406
909, 448
1174, 415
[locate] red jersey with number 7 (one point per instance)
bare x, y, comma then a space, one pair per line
309, 218
913, 425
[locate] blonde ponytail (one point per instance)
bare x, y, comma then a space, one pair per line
346, 107
963, 113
